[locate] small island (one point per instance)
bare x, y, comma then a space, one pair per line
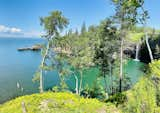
33, 48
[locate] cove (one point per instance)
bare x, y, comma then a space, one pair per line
20, 67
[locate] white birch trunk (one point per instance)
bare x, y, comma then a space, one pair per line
76, 78
41, 71
121, 67
149, 48
80, 86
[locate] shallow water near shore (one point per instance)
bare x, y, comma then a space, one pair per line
18, 68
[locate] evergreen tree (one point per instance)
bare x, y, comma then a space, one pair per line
83, 28
127, 15
106, 50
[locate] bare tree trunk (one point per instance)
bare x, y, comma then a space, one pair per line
105, 82
80, 86
149, 48
76, 78
121, 67
41, 71
24, 110
41, 81
111, 79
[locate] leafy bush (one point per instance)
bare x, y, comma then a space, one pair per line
142, 98
96, 91
155, 68
117, 99
155, 75
145, 95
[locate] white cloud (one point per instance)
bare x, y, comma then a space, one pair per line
5, 29
15, 30
33, 33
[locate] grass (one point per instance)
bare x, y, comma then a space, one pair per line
142, 98
50, 102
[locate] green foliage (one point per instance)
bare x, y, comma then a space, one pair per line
57, 103
126, 84
106, 50
96, 91
136, 37
117, 99
129, 12
77, 50
158, 95
155, 68
61, 88
157, 50
54, 23
155, 74
99, 45
83, 29
142, 98
36, 76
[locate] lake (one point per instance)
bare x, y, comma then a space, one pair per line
20, 67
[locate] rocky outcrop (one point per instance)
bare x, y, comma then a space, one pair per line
33, 48
130, 50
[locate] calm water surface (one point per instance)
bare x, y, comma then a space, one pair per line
16, 66
19, 67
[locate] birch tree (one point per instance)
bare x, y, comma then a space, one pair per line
53, 25
128, 13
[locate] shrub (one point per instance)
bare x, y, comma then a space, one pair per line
142, 98
155, 75
117, 99
96, 91
155, 68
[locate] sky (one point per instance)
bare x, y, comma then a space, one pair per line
20, 18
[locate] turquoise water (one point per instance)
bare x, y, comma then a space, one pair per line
16, 66
133, 69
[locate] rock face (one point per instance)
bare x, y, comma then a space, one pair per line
130, 50
33, 48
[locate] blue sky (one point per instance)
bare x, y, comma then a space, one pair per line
20, 18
